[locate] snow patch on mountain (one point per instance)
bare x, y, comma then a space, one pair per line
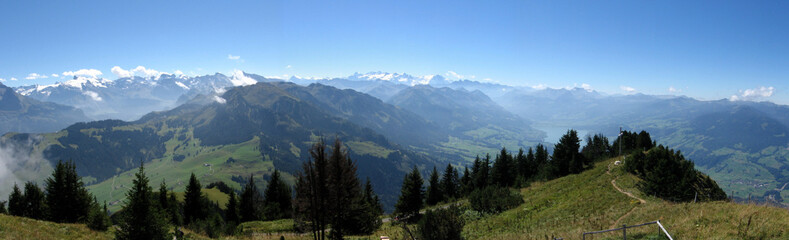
241, 79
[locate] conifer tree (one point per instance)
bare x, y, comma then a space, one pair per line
312, 190
164, 202
140, 219
521, 167
174, 212
277, 198
345, 193
231, 209
566, 156
411, 195
450, 184
67, 198
35, 206
503, 173
531, 166
369, 221
2, 208
434, 194
465, 181
251, 202
194, 208
16, 202
97, 218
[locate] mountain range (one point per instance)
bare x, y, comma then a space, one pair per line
742, 145
22, 114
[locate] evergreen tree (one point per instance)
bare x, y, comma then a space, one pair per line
521, 167
174, 211
98, 219
597, 147
16, 202
345, 193
312, 190
250, 202
468, 185
67, 198
434, 194
450, 184
35, 206
140, 219
482, 174
566, 156
411, 195
231, 210
369, 220
164, 202
194, 209
2, 208
277, 198
503, 173
532, 166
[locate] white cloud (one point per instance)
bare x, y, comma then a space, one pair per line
627, 89
84, 72
120, 72
673, 90
34, 76
231, 57
139, 71
178, 72
13, 79
93, 95
289, 67
219, 99
55, 75
240, 79
754, 94
2, 79
540, 86
586, 87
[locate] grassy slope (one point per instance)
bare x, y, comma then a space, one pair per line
569, 206
25, 228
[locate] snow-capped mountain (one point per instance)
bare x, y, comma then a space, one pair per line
131, 97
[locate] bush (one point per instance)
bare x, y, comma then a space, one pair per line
441, 224
98, 219
494, 199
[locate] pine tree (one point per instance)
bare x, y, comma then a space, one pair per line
312, 191
2, 208
250, 202
411, 195
277, 198
67, 199
194, 209
503, 173
465, 181
345, 193
231, 209
434, 194
174, 212
164, 202
521, 167
16, 202
566, 156
369, 220
531, 166
541, 162
98, 219
35, 206
450, 184
140, 219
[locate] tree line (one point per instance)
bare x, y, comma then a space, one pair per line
64, 199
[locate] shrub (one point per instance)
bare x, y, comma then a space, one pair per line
494, 199
441, 224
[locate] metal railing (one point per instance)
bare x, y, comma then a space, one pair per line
625, 227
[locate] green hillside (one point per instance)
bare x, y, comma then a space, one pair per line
24, 228
568, 206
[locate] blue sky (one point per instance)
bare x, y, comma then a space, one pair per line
703, 49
